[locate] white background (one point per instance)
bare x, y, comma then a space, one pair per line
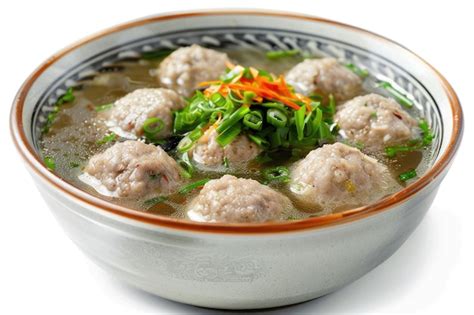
41, 271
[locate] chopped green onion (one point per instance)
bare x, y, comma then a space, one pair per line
276, 105
229, 135
190, 187
248, 96
154, 201
152, 126
218, 99
425, 129
276, 117
266, 74
399, 96
317, 121
49, 162
186, 166
407, 175
276, 54
66, 97
332, 104
253, 120
73, 164
233, 119
263, 158
300, 122
363, 73
157, 54
246, 73
104, 107
324, 131
417, 144
226, 162
195, 134
107, 138
185, 145
277, 174
258, 140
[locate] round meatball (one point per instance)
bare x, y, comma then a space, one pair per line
128, 114
208, 152
326, 76
237, 200
375, 122
132, 169
186, 67
337, 176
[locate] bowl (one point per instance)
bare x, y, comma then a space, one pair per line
238, 266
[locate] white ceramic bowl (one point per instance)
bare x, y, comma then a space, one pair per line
238, 266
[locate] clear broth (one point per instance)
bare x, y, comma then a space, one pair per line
72, 138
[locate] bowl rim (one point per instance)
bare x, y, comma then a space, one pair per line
32, 159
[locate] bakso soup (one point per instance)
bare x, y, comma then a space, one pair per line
236, 135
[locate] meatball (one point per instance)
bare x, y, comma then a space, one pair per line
186, 67
326, 76
132, 169
128, 114
375, 122
208, 152
237, 200
337, 176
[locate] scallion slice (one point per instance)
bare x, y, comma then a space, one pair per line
233, 119
49, 162
276, 54
276, 117
156, 54
104, 107
190, 187
399, 96
107, 138
407, 175
258, 140
279, 174
152, 126
253, 120
185, 145
300, 122
154, 201
363, 73
229, 135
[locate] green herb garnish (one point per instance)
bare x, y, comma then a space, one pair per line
190, 187
277, 54
254, 103
399, 96
152, 127
73, 164
49, 162
156, 54
65, 98
363, 73
407, 175
279, 174
154, 201
104, 107
107, 138
187, 166
226, 162
414, 145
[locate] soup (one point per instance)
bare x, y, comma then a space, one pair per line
236, 136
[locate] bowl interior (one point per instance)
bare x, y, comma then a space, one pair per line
253, 30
